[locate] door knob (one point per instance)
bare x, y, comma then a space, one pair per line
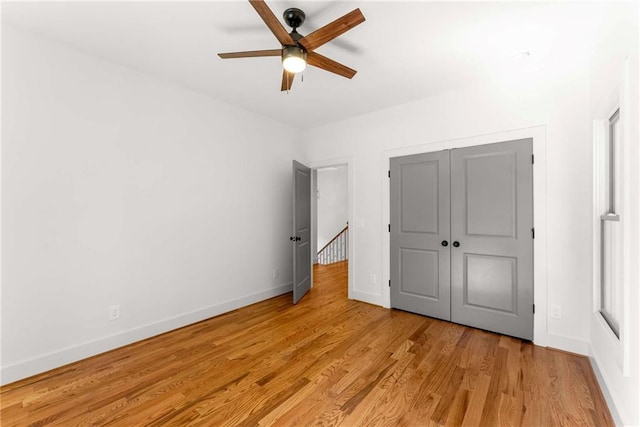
445, 243
298, 238
456, 244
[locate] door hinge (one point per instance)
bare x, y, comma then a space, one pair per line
533, 233
389, 228
532, 159
389, 174
534, 308
389, 283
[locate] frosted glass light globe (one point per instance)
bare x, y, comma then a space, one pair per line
294, 59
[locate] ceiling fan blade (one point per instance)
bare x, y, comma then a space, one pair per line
287, 80
325, 63
332, 30
272, 22
251, 53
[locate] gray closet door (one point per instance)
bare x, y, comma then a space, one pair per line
301, 230
492, 220
419, 226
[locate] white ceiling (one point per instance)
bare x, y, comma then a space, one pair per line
403, 51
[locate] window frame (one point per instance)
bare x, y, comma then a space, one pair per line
612, 150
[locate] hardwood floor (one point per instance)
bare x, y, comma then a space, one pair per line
326, 361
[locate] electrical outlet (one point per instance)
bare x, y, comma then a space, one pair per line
372, 279
114, 312
555, 311
276, 273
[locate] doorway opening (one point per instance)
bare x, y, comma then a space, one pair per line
330, 223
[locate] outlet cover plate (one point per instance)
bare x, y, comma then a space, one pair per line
555, 311
114, 312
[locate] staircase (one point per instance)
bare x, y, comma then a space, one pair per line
337, 249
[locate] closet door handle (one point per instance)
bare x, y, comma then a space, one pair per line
445, 243
456, 244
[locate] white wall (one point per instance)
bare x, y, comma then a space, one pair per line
614, 82
332, 203
118, 188
554, 98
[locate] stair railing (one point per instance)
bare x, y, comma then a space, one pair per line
337, 249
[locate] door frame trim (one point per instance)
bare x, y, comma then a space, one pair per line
353, 235
538, 133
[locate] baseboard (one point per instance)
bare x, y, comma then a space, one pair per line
617, 419
572, 345
365, 297
46, 362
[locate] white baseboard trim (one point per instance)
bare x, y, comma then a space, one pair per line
569, 344
56, 359
617, 419
365, 297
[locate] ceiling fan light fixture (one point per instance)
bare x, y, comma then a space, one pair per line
295, 49
294, 59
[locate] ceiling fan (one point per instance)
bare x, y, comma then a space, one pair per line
297, 50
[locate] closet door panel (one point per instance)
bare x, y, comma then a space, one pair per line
420, 213
491, 221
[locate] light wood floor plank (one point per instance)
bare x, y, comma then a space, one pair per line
326, 361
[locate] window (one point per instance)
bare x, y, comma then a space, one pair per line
610, 265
